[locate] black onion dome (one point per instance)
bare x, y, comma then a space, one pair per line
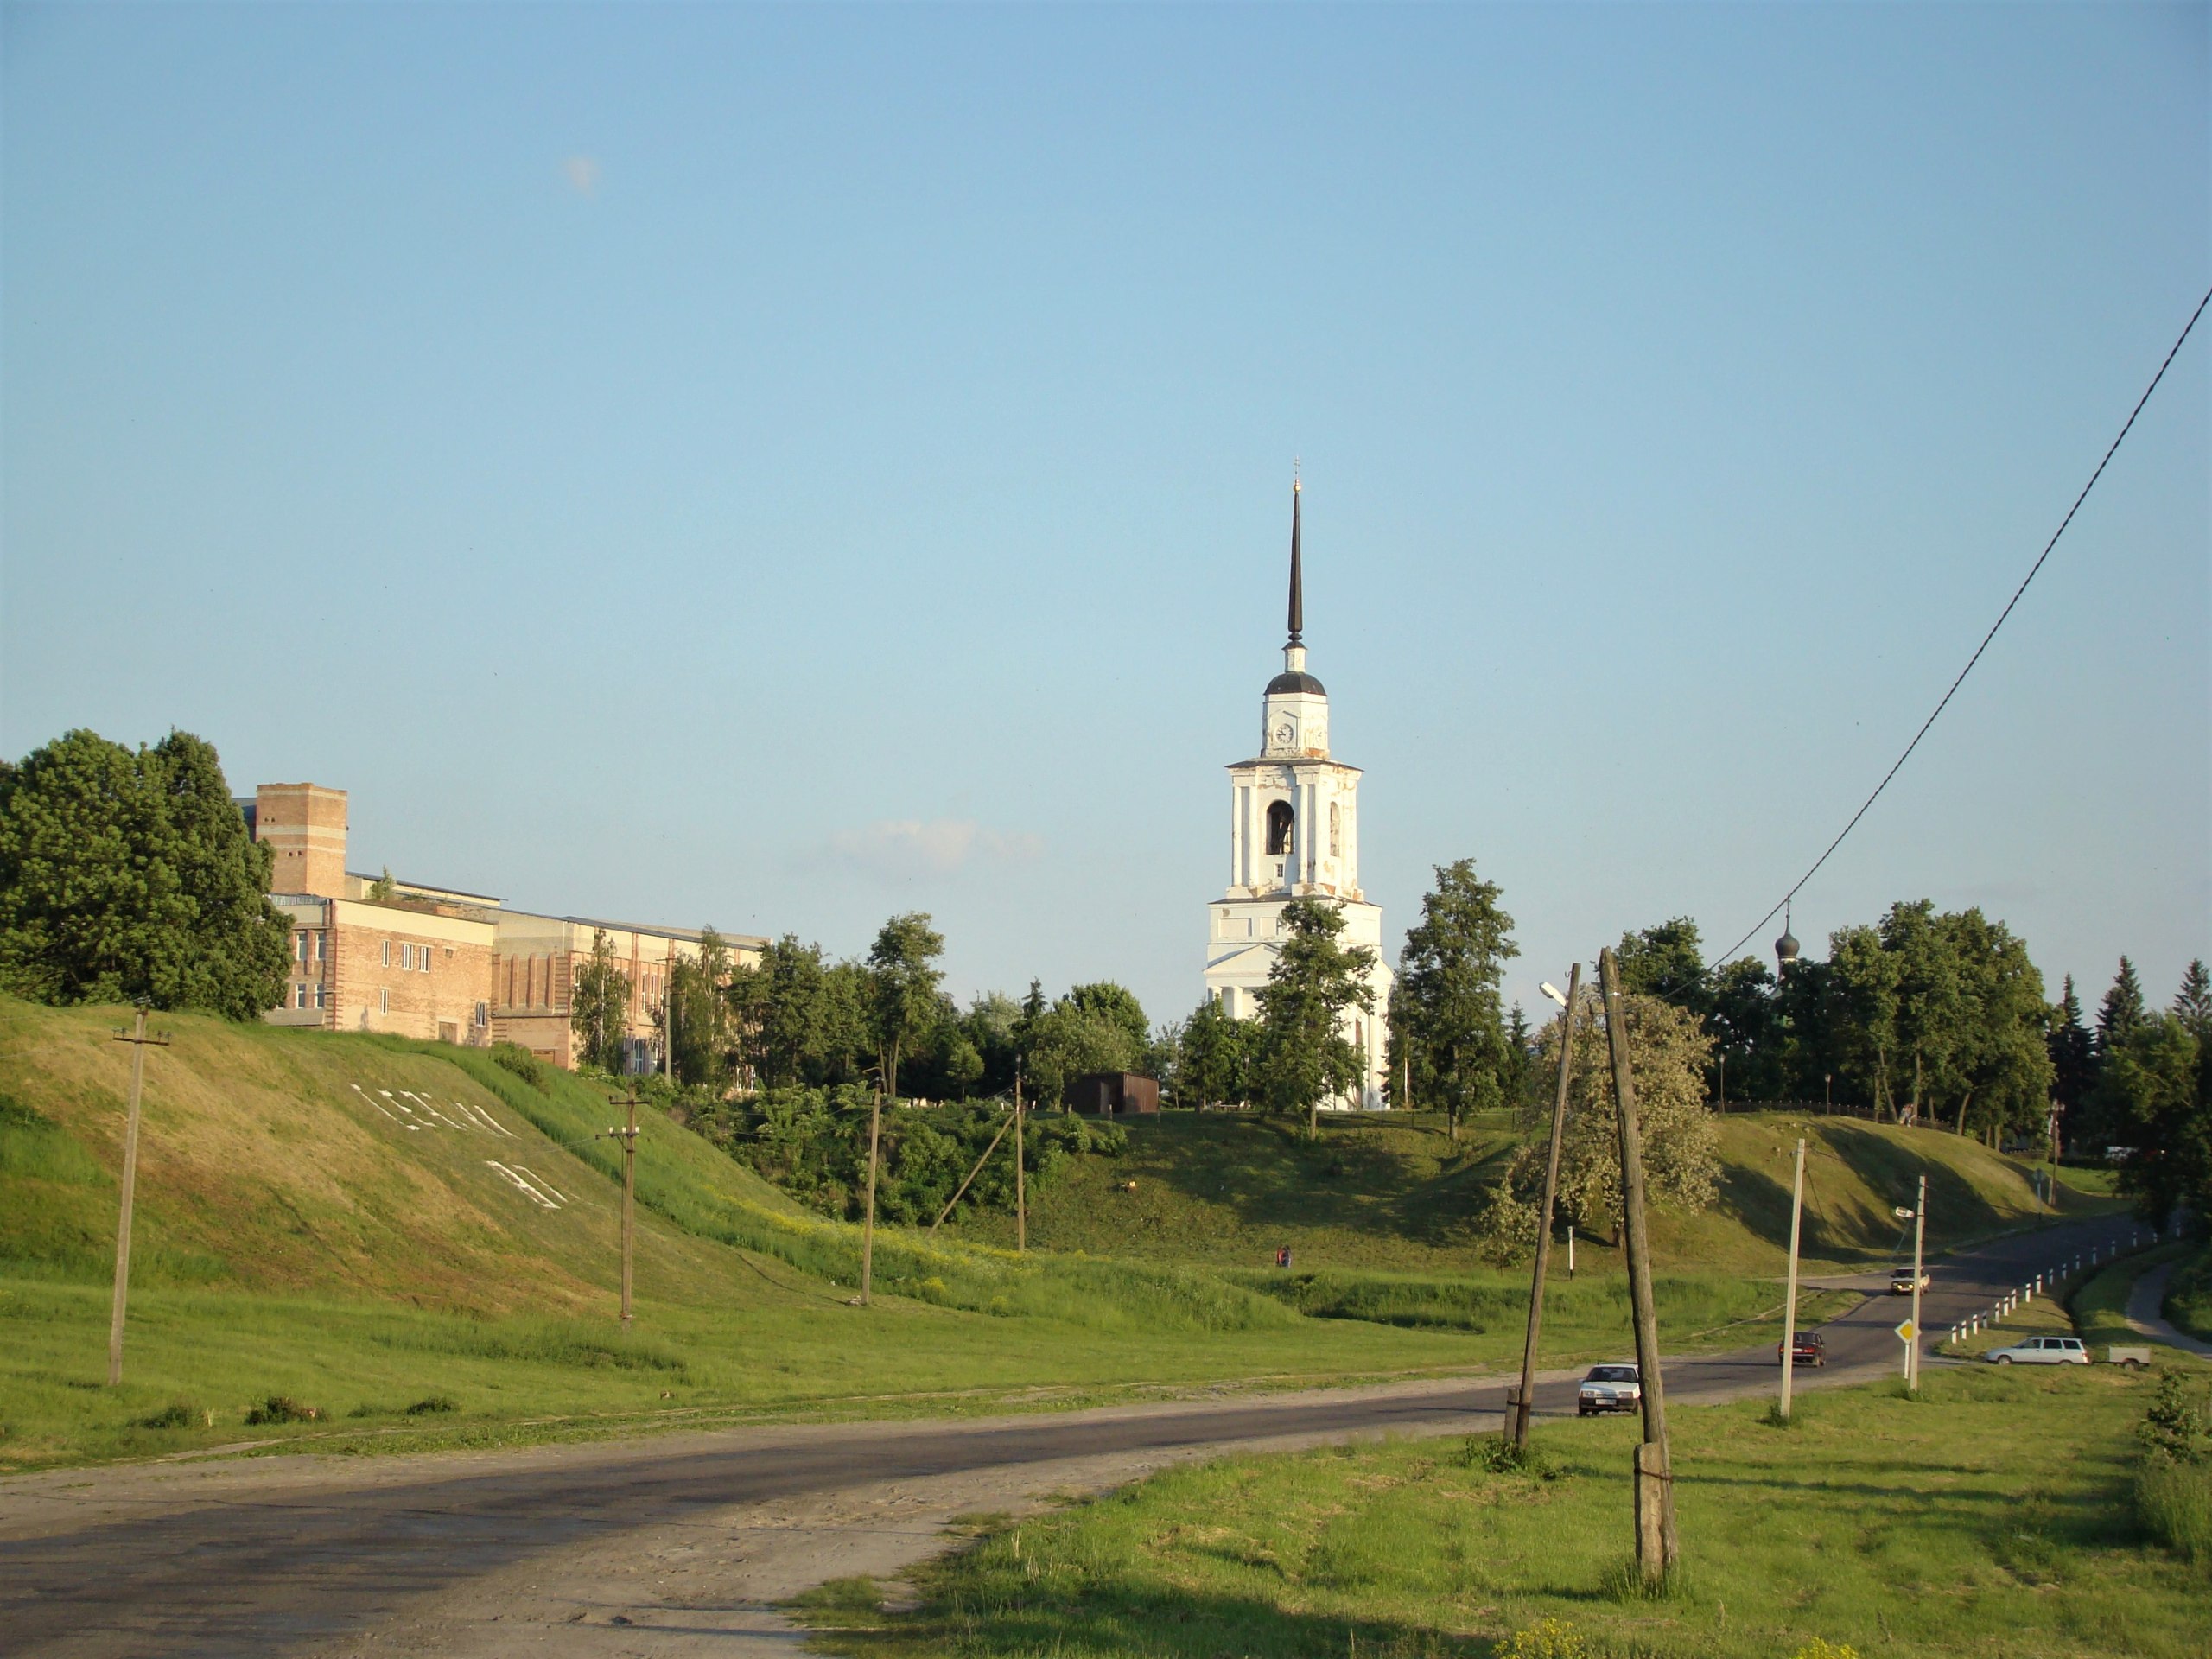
1296, 679
1785, 948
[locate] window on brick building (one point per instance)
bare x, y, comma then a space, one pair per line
299, 994
387, 953
322, 997
384, 1001
322, 946
299, 945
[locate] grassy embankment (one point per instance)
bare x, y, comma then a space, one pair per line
319, 1218
1991, 1516
2188, 1294
1393, 1197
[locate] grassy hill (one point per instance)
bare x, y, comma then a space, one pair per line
1396, 1194
366, 1225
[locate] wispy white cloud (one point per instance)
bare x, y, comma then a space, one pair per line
909, 847
583, 174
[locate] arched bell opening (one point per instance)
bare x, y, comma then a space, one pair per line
1279, 826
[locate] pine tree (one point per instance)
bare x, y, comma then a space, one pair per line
2122, 1012
2193, 1002
1446, 1011
2073, 1051
1303, 1057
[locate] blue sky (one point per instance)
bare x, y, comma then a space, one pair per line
781, 467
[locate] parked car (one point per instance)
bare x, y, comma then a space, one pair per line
2041, 1350
1807, 1348
1900, 1282
1609, 1387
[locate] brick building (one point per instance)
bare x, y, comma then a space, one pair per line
434, 963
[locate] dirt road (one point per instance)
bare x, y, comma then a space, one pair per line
683, 1544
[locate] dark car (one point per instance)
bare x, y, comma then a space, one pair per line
1806, 1348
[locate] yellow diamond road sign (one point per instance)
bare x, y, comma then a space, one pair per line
1907, 1331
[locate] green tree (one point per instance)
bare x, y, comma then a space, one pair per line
800, 1019
1304, 1058
1668, 1050
2152, 1091
2122, 1008
1114, 1003
1667, 961
129, 875
902, 969
695, 1018
2193, 1001
1066, 1042
2073, 1058
599, 1005
1213, 1058
1445, 1008
1746, 1023
1865, 1007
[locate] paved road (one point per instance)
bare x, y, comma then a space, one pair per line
323, 1555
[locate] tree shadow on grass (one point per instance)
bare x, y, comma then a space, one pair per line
1111, 1623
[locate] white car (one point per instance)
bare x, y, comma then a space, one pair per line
1609, 1387
2041, 1350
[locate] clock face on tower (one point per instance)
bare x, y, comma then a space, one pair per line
1286, 733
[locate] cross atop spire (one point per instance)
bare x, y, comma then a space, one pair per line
1297, 576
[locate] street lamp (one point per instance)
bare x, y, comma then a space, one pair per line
1827, 1092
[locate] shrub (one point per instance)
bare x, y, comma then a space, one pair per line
520, 1061
175, 1415
431, 1404
281, 1409
1500, 1456
2176, 1425
1548, 1639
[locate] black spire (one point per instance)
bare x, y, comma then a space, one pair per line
1297, 580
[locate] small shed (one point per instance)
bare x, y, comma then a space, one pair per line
1111, 1094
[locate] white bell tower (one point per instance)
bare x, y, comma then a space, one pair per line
1293, 833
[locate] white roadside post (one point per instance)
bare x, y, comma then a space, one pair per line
1790, 1299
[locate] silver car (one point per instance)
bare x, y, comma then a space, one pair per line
1609, 1387
2041, 1350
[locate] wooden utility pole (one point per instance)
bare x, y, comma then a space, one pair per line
1790, 1304
1657, 1548
139, 1042
868, 1221
1523, 1400
1020, 1180
627, 1135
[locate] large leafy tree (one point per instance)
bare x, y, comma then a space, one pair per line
599, 1005
1304, 1058
2155, 1092
904, 976
130, 875
801, 1019
1445, 1014
696, 1020
1213, 1058
1746, 1025
1667, 961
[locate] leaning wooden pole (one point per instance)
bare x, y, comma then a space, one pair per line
1790, 1295
961, 1191
1523, 1400
868, 1221
1656, 1544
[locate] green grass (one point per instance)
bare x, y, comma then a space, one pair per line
1991, 1516
2098, 1301
2188, 1294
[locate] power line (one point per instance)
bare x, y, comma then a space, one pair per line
1760, 925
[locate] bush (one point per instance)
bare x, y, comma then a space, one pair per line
1548, 1639
1498, 1455
520, 1061
281, 1409
175, 1415
432, 1404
